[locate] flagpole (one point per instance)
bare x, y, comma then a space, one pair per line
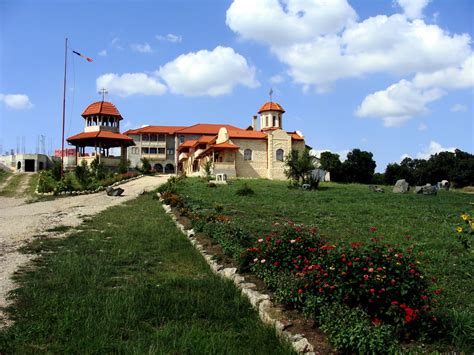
64, 110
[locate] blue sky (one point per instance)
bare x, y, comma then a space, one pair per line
391, 77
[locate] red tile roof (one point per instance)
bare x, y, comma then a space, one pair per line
271, 106
188, 144
155, 130
295, 136
224, 145
205, 129
100, 136
103, 108
242, 133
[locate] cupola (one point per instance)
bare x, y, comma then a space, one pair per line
271, 116
102, 116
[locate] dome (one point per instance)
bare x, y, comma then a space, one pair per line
101, 108
271, 106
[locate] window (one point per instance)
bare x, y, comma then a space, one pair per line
152, 150
181, 139
248, 154
134, 150
279, 154
161, 150
274, 121
266, 121
161, 138
145, 137
170, 151
153, 138
145, 150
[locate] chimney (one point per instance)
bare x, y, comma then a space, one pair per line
254, 123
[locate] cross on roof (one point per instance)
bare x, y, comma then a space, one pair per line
103, 92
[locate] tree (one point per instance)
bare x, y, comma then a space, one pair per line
298, 166
146, 166
359, 167
330, 162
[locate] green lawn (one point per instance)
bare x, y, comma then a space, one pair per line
3, 175
347, 212
129, 282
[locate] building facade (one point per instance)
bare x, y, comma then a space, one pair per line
254, 152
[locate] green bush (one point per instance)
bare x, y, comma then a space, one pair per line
350, 330
46, 182
146, 166
385, 282
245, 190
123, 166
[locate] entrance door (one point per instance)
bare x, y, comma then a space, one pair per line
30, 165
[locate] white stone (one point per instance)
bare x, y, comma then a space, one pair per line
303, 346
254, 297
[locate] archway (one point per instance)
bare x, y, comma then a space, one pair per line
18, 165
169, 169
158, 168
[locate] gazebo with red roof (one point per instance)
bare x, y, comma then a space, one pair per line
102, 132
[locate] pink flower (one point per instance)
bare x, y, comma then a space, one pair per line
372, 290
260, 240
371, 269
263, 261
366, 277
293, 241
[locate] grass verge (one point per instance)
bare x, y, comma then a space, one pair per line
130, 282
13, 185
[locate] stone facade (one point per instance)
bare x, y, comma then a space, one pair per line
236, 152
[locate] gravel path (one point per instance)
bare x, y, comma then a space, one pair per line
20, 222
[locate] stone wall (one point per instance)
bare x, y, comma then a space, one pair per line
277, 139
257, 167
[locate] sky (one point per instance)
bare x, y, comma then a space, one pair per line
392, 77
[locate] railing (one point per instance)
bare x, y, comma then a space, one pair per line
107, 161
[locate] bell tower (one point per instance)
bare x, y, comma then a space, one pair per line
271, 116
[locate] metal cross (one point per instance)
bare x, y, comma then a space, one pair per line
103, 92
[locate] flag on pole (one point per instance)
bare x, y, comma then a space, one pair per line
83, 56
271, 92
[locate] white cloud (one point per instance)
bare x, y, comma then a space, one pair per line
16, 101
433, 148
115, 43
170, 38
211, 73
413, 9
277, 79
398, 103
130, 84
339, 47
454, 77
284, 22
141, 48
458, 108
103, 53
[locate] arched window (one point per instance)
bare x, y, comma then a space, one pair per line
279, 154
248, 154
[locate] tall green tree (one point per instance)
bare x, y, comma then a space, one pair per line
358, 167
298, 166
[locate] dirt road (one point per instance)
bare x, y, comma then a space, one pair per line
20, 222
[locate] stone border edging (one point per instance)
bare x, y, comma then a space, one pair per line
267, 311
86, 192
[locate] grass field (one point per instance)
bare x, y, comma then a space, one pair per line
347, 212
3, 175
129, 282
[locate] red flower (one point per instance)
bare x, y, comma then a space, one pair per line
376, 321
372, 290
343, 273
409, 311
408, 318
324, 247
300, 291
412, 271
393, 282
355, 245
394, 303
269, 238
437, 292
349, 263
276, 263
424, 297
366, 277
403, 306
373, 229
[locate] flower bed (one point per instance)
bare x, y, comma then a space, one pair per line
381, 288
